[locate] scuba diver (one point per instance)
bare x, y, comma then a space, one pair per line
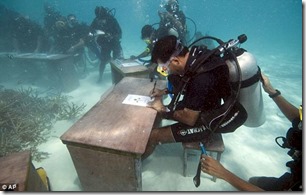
149, 35
79, 34
79, 40
51, 16
174, 60
109, 37
70, 36
289, 181
202, 79
173, 21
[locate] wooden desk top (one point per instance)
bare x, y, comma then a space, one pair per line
123, 66
14, 169
113, 125
34, 56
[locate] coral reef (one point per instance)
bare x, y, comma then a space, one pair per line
26, 119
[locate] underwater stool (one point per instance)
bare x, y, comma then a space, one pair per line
215, 144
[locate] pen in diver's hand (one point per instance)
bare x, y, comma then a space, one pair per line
197, 177
203, 148
154, 87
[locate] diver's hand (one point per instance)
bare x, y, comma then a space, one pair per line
266, 85
212, 167
158, 92
157, 104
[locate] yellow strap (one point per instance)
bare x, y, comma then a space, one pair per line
43, 175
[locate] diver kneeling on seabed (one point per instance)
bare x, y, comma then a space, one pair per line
207, 90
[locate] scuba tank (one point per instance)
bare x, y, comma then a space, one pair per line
250, 95
244, 76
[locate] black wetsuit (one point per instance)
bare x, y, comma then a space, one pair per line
166, 24
110, 41
203, 92
67, 37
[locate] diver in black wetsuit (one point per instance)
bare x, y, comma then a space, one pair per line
173, 21
109, 37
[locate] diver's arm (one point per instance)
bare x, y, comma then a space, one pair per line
157, 105
212, 167
176, 23
145, 53
186, 116
289, 110
116, 31
80, 44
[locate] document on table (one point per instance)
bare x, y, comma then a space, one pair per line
137, 100
129, 63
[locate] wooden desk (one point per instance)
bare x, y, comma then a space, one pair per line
106, 144
18, 169
122, 68
60, 64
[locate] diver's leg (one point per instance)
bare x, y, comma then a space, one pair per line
101, 70
158, 136
105, 58
117, 50
94, 48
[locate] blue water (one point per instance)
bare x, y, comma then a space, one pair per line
273, 27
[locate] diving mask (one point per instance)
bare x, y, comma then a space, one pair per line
163, 68
60, 24
147, 41
72, 21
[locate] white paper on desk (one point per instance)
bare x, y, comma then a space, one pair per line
137, 100
128, 64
